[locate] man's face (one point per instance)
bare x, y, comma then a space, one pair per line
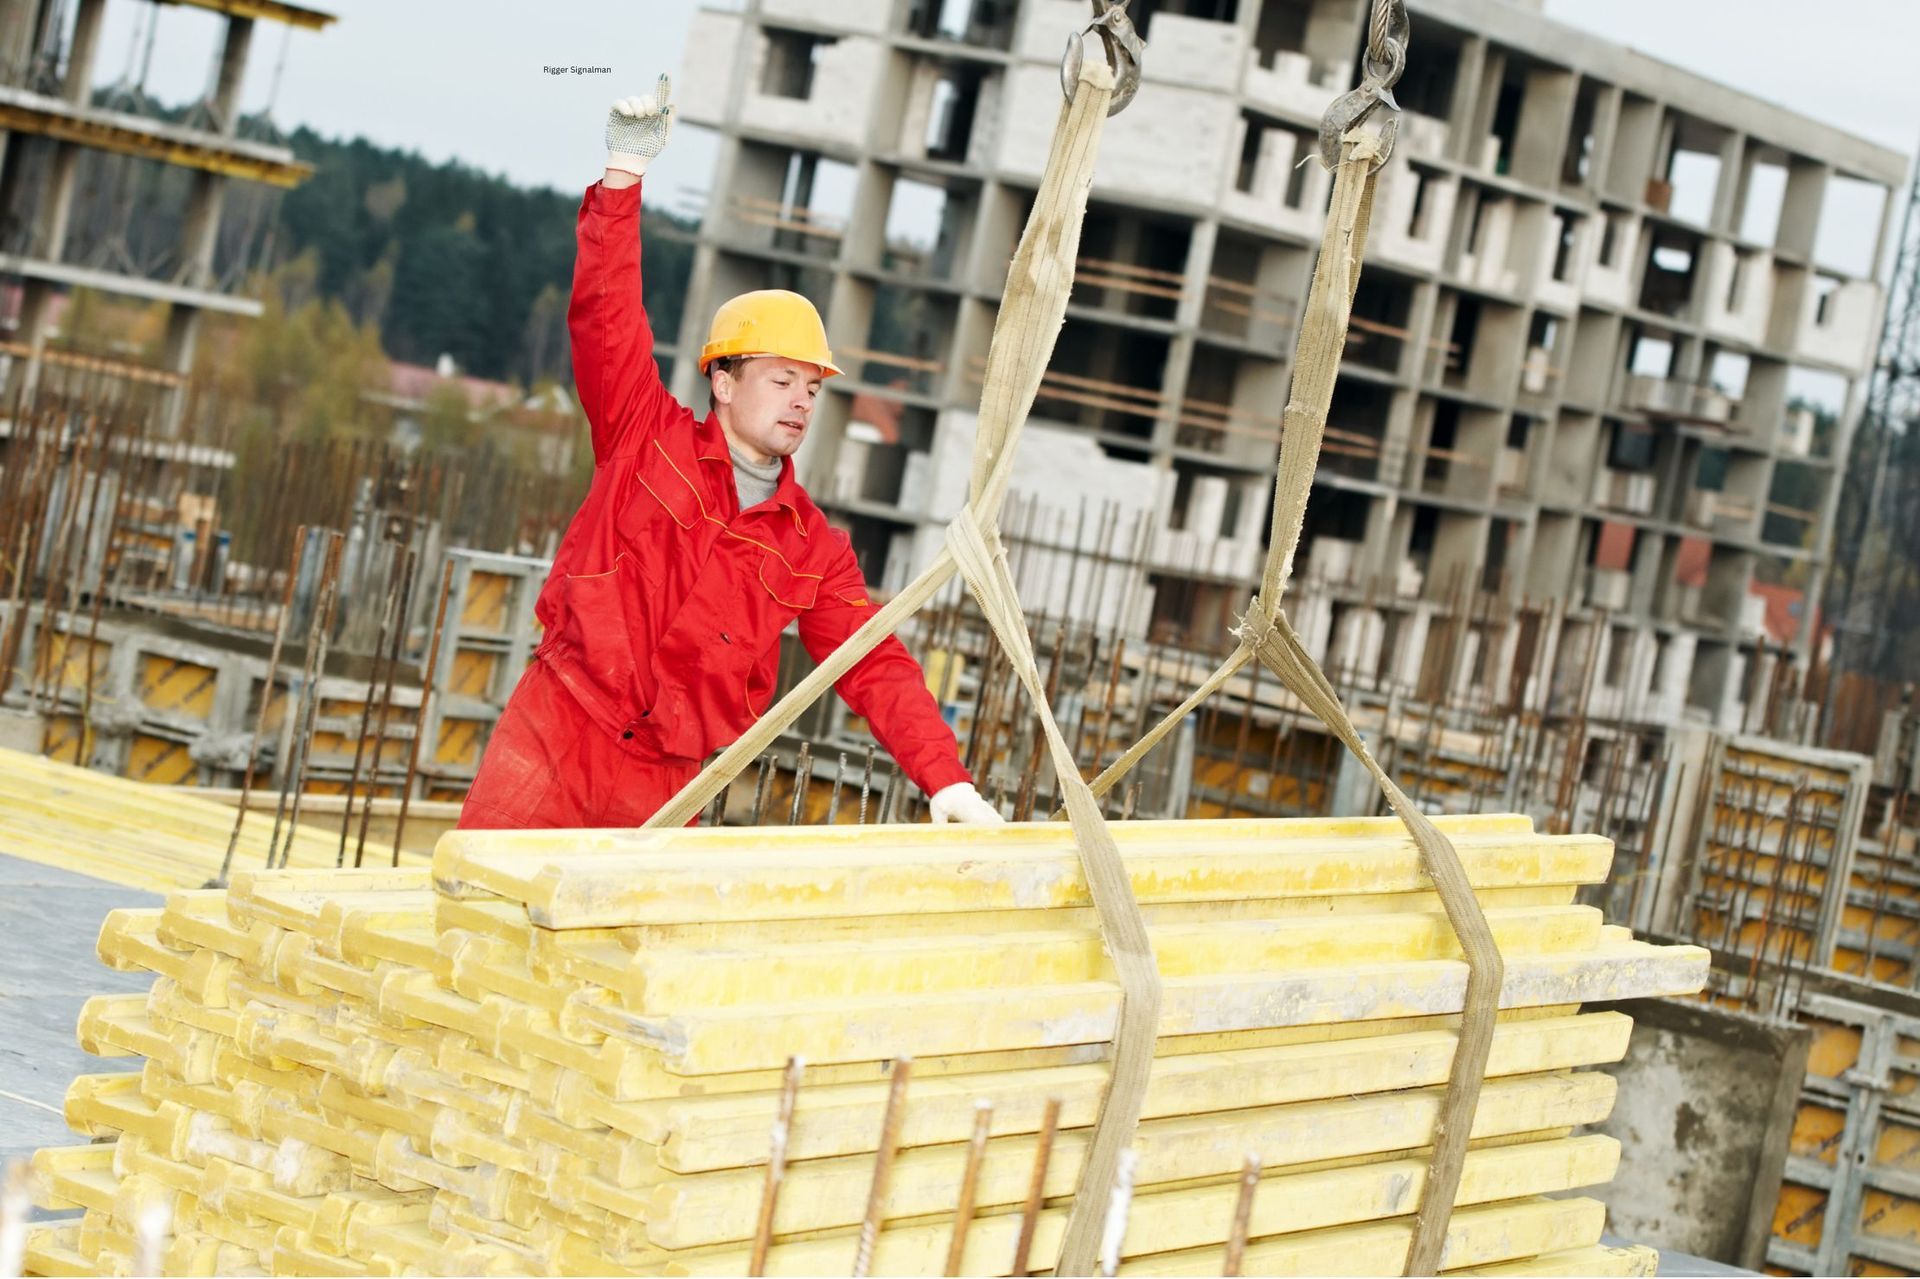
768, 403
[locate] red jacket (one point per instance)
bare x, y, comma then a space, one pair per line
666, 601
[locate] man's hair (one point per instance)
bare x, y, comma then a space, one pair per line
726, 364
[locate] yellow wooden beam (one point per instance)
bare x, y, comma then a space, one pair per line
1172, 1220
880, 1027
294, 15
1595, 1259
822, 1194
1494, 1234
592, 879
131, 135
697, 1134
667, 980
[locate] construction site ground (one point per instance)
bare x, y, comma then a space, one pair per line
49, 919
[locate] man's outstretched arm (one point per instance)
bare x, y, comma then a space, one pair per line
613, 368
888, 689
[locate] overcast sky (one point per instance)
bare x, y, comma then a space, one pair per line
464, 80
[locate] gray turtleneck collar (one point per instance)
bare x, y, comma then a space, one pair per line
755, 481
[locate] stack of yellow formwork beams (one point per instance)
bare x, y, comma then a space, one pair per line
150, 837
564, 1054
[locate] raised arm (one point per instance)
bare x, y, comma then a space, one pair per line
613, 367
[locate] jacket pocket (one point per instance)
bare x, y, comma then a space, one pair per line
604, 619
665, 489
791, 588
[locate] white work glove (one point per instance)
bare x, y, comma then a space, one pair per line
638, 128
961, 803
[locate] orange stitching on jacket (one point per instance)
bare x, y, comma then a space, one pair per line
724, 527
575, 577
667, 506
694, 488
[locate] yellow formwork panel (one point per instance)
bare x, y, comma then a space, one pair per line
175, 686
460, 741
68, 656
472, 672
67, 740
487, 601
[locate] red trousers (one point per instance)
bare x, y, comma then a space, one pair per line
549, 766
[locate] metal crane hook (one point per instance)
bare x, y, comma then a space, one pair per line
1124, 49
1386, 57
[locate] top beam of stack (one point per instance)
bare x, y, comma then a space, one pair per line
140, 836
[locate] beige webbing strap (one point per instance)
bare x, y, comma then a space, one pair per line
983, 562
1265, 633
1031, 313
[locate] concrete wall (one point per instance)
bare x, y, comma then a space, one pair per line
1706, 1105
1488, 262
845, 79
853, 15
1287, 86
1844, 336
1611, 283
1196, 52
706, 67
1265, 201
1170, 145
1392, 239
1746, 319
1059, 475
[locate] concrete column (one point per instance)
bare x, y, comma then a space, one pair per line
20, 23
1730, 193
1606, 124
1749, 160
233, 66
1800, 206
200, 229
34, 298
78, 86
866, 234
13, 154
183, 335
1540, 137
56, 204
1464, 111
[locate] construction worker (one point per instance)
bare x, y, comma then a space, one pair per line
693, 550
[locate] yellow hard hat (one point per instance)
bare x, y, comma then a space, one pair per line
768, 322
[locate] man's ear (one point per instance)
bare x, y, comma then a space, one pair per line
722, 387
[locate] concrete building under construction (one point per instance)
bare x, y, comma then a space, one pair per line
55, 136
1609, 347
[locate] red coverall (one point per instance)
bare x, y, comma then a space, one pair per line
665, 604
